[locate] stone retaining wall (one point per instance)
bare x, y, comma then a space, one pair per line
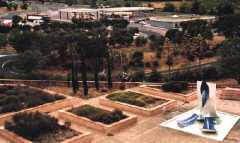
117, 126
14, 138
230, 93
139, 110
48, 107
45, 83
170, 95
91, 84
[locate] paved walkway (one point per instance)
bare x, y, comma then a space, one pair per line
147, 129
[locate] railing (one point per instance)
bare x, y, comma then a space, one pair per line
91, 84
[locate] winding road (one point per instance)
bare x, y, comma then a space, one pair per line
5, 65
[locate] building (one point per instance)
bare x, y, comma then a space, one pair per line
6, 22
122, 12
172, 21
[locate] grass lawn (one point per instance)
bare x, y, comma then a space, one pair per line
99, 115
136, 99
18, 98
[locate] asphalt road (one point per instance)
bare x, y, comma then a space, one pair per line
210, 64
5, 65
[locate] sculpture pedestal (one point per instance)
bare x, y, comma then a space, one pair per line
228, 121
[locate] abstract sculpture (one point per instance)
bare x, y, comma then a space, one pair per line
206, 93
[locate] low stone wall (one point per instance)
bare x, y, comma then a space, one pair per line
14, 138
230, 93
45, 83
170, 95
139, 110
48, 107
91, 84
117, 126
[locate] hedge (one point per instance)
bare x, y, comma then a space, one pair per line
175, 86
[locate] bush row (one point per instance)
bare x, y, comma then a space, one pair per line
175, 86
99, 115
17, 98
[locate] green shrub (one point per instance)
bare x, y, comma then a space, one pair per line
10, 87
21, 97
108, 117
33, 92
122, 87
3, 90
17, 88
210, 73
58, 97
47, 97
23, 90
11, 107
11, 92
148, 64
150, 101
2, 96
33, 102
155, 76
30, 125
8, 100
99, 115
137, 102
175, 86
85, 110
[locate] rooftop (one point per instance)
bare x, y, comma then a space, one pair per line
117, 9
180, 18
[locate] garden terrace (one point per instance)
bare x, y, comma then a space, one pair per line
190, 93
136, 99
105, 121
137, 102
16, 98
40, 128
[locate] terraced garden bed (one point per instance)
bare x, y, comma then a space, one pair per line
187, 91
137, 102
137, 99
105, 121
16, 98
39, 128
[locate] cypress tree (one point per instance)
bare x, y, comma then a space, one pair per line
73, 78
84, 74
76, 75
109, 70
68, 79
96, 74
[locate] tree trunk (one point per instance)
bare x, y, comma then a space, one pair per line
76, 79
168, 72
109, 70
73, 78
68, 79
84, 75
96, 74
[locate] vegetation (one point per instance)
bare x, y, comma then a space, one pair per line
228, 25
18, 98
175, 86
169, 7
99, 115
39, 128
229, 58
136, 99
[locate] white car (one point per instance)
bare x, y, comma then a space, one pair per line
142, 22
